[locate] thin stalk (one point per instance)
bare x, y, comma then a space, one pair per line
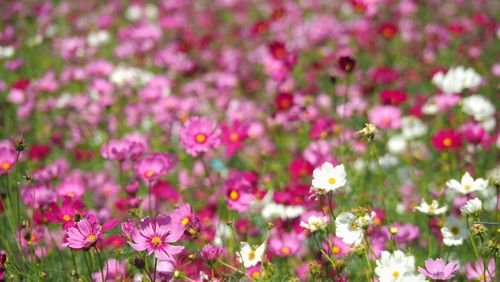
367, 258
100, 263
74, 262
154, 273
88, 265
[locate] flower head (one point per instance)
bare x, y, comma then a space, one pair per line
199, 135
315, 223
154, 166
211, 252
347, 228
438, 269
328, 178
447, 139
431, 209
471, 207
83, 235
477, 271
454, 231
155, 236
251, 255
467, 184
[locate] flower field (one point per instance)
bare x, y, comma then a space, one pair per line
240, 140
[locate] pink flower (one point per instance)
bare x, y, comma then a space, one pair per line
405, 233
438, 270
114, 271
233, 137
199, 135
336, 246
476, 270
67, 213
83, 235
183, 216
121, 150
154, 236
154, 166
284, 244
211, 252
239, 191
385, 117
8, 157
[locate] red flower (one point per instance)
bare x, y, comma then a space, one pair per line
278, 14
39, 152
283, 102
260, 27
447, 139
388, 30
392, 97
278, 50
21, 84
299, 168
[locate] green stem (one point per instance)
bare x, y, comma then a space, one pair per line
74, 262
154, 273
87, 264
367, 248
101, 266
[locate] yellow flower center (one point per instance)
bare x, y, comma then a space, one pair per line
255, 274
234, 137
192, 231
393, 230
432, 208
156, 240
149, 173
5, 165
467, 187
251, 255
332, 180
454, 230
447, 142
185, 221
285, 250
71, 194
335, 249
233, 195
200, 138
395, 274
90, 238
66, 217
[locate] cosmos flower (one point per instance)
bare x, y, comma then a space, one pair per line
328, 178
455, 80
397, 266
477, 271
199, 135
251, 255
385, 117
347, 229
184, 217
438, 270
472, 206
284, 244
447, 139
154, 166
467, 184
7, 159
156, 236
233, 137
239, 189
454, 231
315, 223
431, 209
211, 252
336, 246
83, 235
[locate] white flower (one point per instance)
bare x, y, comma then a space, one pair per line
467, 184
413, 127
272, 210
472, 206
454, 231
6, 52
315, 223
98, 38
328, 178
348, 229
251, 256
395, 267
456, 80
432, 209
480, 108
396, 144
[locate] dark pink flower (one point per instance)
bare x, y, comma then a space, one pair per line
83, 235
447, 139
233, 137
184, 217
211, 252
199, 135
155, 236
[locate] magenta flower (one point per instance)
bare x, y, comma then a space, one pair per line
7, 159
233, 137
154, 166
476, 270
120, 150
113, 271
183, 216
199, 135
83, 235
211, 252
154, 236
438, 269
336, 246
239, 191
